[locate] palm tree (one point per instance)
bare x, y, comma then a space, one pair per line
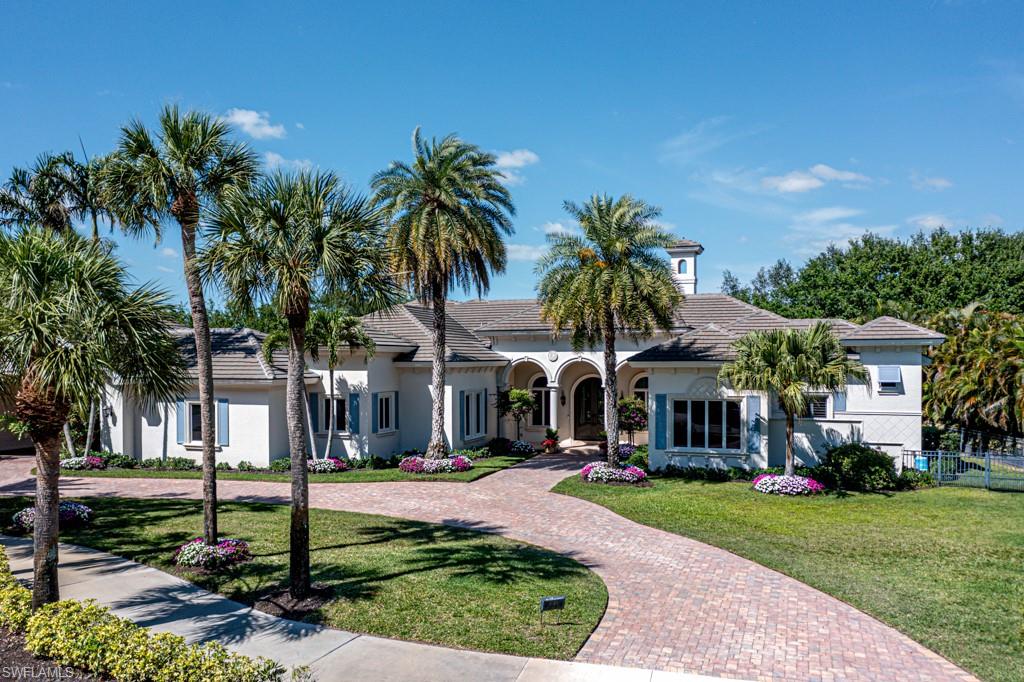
330, 330
179, 174
449, 213
69, 325
33, 196
80, 183
285, 239
789, 363
610, 279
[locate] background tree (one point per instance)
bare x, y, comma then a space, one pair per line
450, 213
287, 237
33, 197
611, 279
632, 415
179, 174
790, 363
516, 403
69, 325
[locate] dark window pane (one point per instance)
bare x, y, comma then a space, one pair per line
715, 424
732, 425
679, 423
479, 417
537, 419
385, 413
196, 419
697, 414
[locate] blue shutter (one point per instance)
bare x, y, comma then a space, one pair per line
314, 411
485, 410
353, 413
462, 414
222, 422
394, 409
754, 424
180, 419
660, 420
838, 402
373, 412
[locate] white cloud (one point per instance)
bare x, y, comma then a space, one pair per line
828, 214
814, 231
300, 126
814, 177
255, 124
163, 268
929, 184
993, 219
168, 252
795, 181
510, 162
275, 160
525, 252
930, 221
557, 228
706, 136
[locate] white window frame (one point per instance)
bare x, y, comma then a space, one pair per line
474, 414
672, 400
340, 407
890, 387
389, 396
188, 423
543, 396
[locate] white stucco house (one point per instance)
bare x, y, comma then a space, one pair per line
383, 402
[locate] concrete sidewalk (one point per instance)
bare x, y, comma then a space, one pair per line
168, 604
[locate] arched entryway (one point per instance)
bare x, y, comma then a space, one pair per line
588, 409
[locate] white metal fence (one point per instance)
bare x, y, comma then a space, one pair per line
995, 471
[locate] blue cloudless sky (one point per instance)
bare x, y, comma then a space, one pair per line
763, 130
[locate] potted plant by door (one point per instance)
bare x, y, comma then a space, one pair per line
550, 443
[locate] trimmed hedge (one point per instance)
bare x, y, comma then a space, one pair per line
87, 636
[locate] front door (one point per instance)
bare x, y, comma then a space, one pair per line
588, 409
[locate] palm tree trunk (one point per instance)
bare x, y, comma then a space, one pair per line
437, 447
204, 363
299, 580
789, 444
89, 429
46, 532
611, 383
331, 417
69, 442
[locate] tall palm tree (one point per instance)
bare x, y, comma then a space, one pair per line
330, 331
69, 325
33, 196
610, 279
449, 213
179, 174
789, 363
288, 237
80, 183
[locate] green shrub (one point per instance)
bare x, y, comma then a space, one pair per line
246, 465
472, 453
499, 447
855, 466
223, 466
122, 462
912, 479
151, 463
639, 458
180, 464
281, 464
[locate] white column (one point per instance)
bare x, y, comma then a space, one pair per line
553, 402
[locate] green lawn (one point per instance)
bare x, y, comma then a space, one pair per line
943, 565
481, 468
393, 578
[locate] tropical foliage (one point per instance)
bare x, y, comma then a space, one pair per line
610, 278
279, 241
449, 215
177, 174
70, 325
516, 403
788, 364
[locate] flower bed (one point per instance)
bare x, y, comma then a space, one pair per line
447, 465
197, 554
326, 466
69, 514
83, 463
774, 484
600, 472
520, 447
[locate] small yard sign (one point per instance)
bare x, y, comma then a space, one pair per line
551, 604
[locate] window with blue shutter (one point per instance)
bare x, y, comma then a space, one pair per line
180, 420
373, 412
839, 402
353, 413
314, 411
890, 379
753, 424
395, 408
462, 414
660, 419
222, 422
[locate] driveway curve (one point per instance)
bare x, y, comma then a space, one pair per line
674, 604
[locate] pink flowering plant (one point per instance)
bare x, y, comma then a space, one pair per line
83, 463
69, 514
445, 465
197, 554
600, 472
774, 484
326, 466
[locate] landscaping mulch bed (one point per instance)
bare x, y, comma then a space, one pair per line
283, 605
16, 663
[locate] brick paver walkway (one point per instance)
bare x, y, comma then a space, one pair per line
673, 603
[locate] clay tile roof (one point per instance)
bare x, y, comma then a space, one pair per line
710, 343
237, 355
887, 328
685, 243
412, 322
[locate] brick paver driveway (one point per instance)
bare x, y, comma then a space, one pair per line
673, 604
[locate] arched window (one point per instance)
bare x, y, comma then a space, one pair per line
681, 268
640, 388
542, 412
